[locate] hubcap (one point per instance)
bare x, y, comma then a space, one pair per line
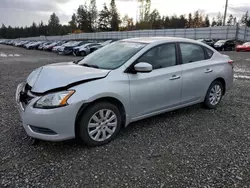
215, 95
102, 125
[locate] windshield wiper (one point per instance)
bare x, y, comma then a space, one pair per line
77, 61
92, 66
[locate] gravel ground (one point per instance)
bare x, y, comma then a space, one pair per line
191, 147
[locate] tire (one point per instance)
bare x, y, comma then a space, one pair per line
215, 90
83, 53
87, 123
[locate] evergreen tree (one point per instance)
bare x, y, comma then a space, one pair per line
214, 23
155, 20
207, 21
166, 22
73, 23
230, 20
82, 18
196, 20
34, 30
3, 31
219, 19
115, 18
104, 22
54, 25
92, 15
245, 20
190, 21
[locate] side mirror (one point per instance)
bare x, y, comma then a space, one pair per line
143, 67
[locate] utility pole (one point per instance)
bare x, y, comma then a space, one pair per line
225, 13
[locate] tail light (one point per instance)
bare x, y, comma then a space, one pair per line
231, 62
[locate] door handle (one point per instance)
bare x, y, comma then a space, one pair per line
175, 77
208, 70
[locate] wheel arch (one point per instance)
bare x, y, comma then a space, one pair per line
222, 80
111, 100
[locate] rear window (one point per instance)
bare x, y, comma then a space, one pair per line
209, 53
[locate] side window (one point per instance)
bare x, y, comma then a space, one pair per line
191, 53
161, 56
209, 53
92, 45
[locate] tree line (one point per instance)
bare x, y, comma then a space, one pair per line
88, 19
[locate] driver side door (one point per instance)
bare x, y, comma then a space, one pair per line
154, 92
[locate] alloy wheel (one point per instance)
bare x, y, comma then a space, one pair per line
215, 95
102, 125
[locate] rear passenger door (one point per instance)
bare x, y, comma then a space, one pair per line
197, 72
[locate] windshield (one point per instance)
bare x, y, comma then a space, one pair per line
246, 44
113, 55
84, 45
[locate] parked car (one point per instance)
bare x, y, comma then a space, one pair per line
42, 45
28, 44
61, 47
34, 45
22, 43
123, 82
2, 41
52, 45
94, 48
209, 42
84, 49
68, 49
224, 45
244, 47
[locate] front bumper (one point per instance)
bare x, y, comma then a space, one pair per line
218, 47
47, 124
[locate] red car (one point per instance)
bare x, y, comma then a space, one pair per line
244, 47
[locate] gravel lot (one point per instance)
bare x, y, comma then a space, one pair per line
191, 147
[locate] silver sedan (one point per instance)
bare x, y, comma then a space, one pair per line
123, 82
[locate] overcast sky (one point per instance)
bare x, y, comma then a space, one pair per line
24, 12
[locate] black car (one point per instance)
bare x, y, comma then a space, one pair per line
69, 49
209, 42
224, 45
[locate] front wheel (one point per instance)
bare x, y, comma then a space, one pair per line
214, 95
83, 53
99, 123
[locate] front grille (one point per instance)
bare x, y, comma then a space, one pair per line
42, 130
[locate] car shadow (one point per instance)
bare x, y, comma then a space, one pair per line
133, 129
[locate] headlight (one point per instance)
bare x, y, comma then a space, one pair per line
54, 100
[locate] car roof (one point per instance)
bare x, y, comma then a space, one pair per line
149, 40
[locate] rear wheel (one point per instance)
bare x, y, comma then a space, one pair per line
99, 124
214, 95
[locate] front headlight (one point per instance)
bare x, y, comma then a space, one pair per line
54, 100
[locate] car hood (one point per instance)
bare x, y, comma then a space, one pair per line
242, 46
61, 75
